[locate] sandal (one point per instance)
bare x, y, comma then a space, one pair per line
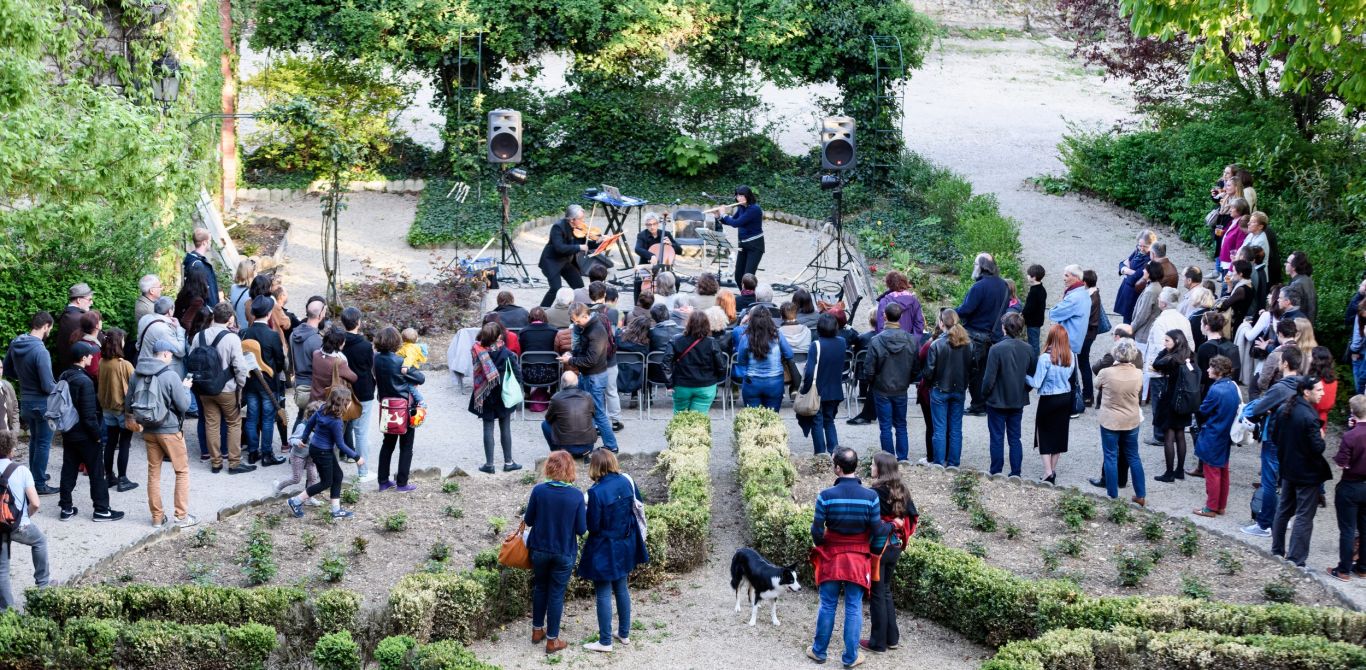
1206, 512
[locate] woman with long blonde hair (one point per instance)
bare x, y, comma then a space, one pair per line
946, 372
1053, 378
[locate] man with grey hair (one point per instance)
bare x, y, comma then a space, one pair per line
763, 297
1074, 312
305, 339
558, 257
149, 289
980, 313
1169, 271
1168, 319
652, 235
158, 326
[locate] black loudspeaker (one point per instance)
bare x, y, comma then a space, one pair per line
505, 136
837, 143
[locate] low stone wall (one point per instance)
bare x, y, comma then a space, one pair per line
283, 194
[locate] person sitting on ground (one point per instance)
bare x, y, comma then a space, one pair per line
644, 301
597, 273
1349, 498
1303, 470
568, 423
557, 315
512, 314
707, 287
797, 336
847, 529
748, 284
494, 361
322, 433
614, 547
556, 515
22, 490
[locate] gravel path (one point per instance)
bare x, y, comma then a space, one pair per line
959, 109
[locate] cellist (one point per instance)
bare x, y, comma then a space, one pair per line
650, 243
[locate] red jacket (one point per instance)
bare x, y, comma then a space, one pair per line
843, 558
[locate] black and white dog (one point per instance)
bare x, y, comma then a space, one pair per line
752, 574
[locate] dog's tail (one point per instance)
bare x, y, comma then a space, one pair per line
737, 569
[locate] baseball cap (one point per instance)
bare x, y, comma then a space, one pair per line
80, 349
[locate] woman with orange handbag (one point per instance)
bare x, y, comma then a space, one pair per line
556, 514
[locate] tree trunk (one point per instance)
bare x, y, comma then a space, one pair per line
227, 140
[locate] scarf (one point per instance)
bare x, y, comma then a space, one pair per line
485, 376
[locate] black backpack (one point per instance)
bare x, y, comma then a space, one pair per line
205, 367
1186, 395
1229, 350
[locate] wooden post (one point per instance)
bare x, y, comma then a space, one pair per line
227, 140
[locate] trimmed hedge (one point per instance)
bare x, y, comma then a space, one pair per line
1137, 649
988, 604
31, 642
402, 652
683, 522
273, 606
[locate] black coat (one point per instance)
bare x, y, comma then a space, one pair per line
630, 374
272, 353
538, 336
493, 404
1008, 363
1301, 445
512, 316
390, 381
702, 366
82, 389
644, 240
360, 356
560, 250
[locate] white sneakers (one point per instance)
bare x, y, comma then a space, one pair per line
598, 646
367, 478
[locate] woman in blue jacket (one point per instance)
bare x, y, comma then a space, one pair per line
761, 352
555, 518
1131, 269
829, 380
1217, 413
748, 220
614, 546
1053, 378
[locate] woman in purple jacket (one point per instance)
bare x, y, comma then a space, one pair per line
899, 292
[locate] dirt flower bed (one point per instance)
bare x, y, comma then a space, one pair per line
440, 526
1021, 528
391, 297
260, 236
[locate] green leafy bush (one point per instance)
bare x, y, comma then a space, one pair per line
333, 567
1189, 541
35, 642
1128, 647
1192, 587
1133, 567
258, 557
450, 487
1119, 512
350, 495
183, 604
1076, 509
336, 651
982, 520
689, 157
359, 544
336, 610
1153, 530
392, 652
976, 549
1228, 564
396, 522
1279, 591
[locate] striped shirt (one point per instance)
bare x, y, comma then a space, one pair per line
847, 508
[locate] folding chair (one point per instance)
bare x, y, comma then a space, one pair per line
654, 376
632, 360
541, 362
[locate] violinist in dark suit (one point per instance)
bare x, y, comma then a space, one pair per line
652, 235
568, 238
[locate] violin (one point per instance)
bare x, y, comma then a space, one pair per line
582, 230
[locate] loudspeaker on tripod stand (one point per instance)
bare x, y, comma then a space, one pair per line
837, 143
505, 136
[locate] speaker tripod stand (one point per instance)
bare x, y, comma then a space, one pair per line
509, 258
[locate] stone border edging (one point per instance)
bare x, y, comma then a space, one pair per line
225, 513
283, 194
1221, 534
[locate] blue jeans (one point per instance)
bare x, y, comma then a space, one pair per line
549, 578
1359, 374
604, 592
1003, 424
1033, 334
258, 428
596, 386
891, 415
575, 450
947, 410
763, 392
358, 434
853, 619
1110, 445
1271, 475
40, 438
823, 433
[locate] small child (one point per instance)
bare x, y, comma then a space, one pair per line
325, 427
414, 354
1035, 305
298, 456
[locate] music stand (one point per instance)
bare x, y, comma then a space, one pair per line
617, 209
721, 247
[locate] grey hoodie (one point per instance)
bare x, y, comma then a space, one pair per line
893, 361
173, 392
28, 361
303, 341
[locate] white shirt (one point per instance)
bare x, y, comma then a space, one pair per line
19, 481
1169, 319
